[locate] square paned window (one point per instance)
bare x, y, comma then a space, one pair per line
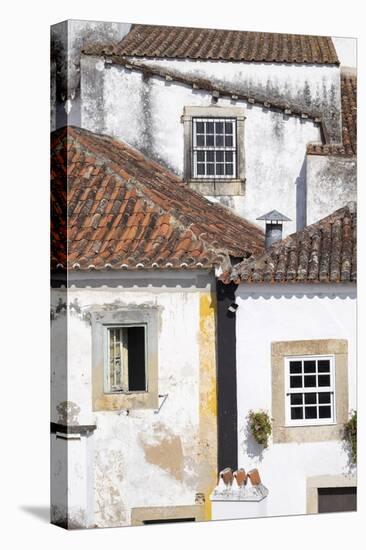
214, 148
310, 390
125, 359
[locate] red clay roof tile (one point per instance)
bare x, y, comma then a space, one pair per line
322, 252
134, 212
217, 44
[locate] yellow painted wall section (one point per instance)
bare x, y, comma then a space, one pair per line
208, 398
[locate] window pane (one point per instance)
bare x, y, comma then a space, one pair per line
210, 169
228, 127
324, 397
201, 169
324, 365
201, 141
200, 156
228, 141
295, 367
229, 169
200, 127
296, 413
229, 156
310, 381
310, 398
296, 382
136, 359
296, 399
219, 141
324, 379
220, 169
210, 156
309, 366
117, 356
219, 127
310, 412
219, 156
210, 141
210, 127
325, 412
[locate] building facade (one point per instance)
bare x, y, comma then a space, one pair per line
296, 360
179, 157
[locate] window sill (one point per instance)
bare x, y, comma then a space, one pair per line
126, 401
214, 188
307, 433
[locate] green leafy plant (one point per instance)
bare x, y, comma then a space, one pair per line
350, 434
260, 424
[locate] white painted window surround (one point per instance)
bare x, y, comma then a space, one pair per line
310, 390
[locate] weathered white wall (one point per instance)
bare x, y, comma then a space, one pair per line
146, 114
125, 473
68, 38
331, 183
268, 314
306, 86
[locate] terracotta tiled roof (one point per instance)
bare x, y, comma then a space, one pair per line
190, 43
349, 122
126, 211
323, 252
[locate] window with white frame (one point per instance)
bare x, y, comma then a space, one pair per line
310, 390
125, 358
214, 156
214, 148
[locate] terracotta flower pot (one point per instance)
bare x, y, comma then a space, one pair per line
254, 477
241, 477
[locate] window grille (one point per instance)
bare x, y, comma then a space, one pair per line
310, 397
214, 154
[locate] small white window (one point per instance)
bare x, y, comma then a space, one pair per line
125, 361
214, 148
310, 390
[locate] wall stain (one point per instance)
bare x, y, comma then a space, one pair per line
166, 451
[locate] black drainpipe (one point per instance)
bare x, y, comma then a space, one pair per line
227, 453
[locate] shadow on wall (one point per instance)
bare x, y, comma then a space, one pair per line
350, 467
301, 197
249, 446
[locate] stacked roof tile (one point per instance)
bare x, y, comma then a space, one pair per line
323, 252
122, 210
212, 44
348, 147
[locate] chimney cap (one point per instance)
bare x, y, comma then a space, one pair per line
274, 215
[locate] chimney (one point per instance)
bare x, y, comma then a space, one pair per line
274, 224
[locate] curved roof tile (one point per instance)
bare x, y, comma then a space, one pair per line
121, 209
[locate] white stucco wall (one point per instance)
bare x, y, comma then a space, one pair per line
307, 86
68, 38
265, 315
123, 477
147, 115
331, 184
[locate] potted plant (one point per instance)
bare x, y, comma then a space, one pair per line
260, 425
